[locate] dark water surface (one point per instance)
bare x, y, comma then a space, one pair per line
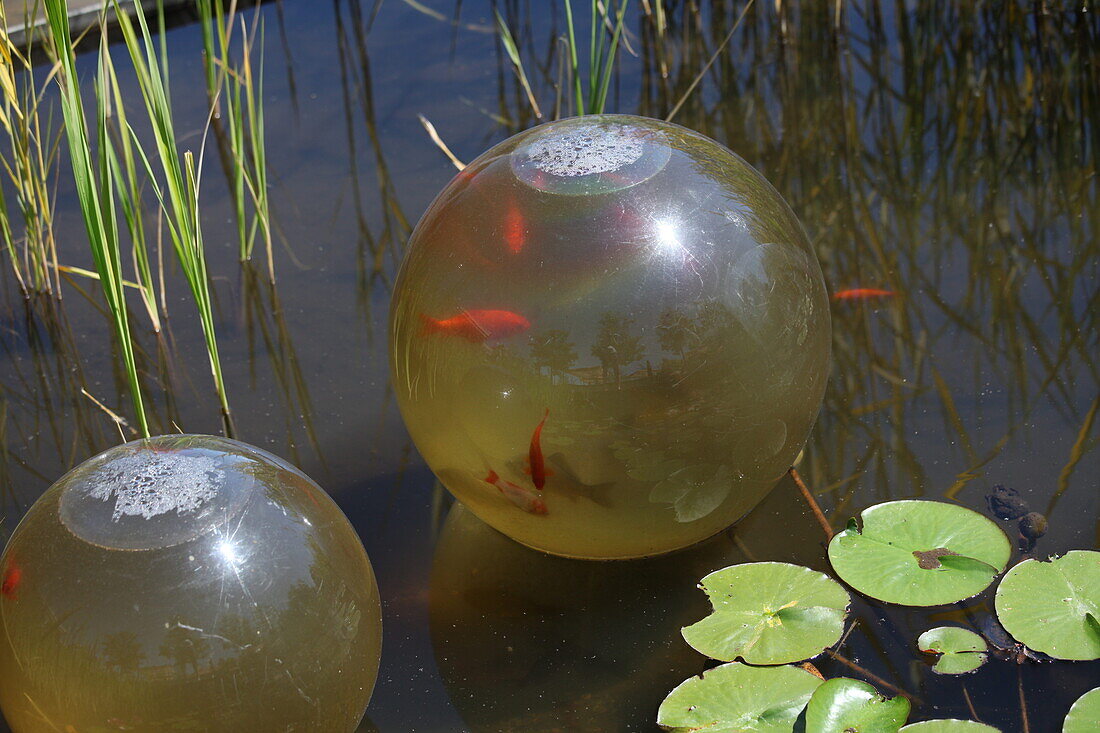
947, 154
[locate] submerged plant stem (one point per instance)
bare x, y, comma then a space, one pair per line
809, 497
874, 677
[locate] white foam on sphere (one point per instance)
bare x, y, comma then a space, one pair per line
584, 150
150, 483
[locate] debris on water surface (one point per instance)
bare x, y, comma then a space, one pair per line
1033, 525
930, 559
1005, 503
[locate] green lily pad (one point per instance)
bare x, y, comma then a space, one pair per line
960, 650
1053, 607
949, 726
920, 553
736, 697
769, 613
844, 705
1084, 716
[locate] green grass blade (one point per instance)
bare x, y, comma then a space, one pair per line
573, 66
181, 205
605, 75
96, 203
513, 53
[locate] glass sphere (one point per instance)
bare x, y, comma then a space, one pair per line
186, 582
609, 337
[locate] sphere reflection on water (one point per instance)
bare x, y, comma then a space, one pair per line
640, 293
530, 642
186, 583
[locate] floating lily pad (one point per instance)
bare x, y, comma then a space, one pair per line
960, 650
1054, 606
736, 697
920, 553
844, 705
949, 726
769, 613
1084, 716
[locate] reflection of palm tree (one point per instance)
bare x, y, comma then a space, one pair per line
615, 346
673, 329
554, 350
714, 317
184, 645
123, 651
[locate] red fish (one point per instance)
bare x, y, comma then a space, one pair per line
535, 463
521, 497
12, 578
477, 326
862, 294
515, 229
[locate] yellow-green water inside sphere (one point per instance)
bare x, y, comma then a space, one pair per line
645, 291
186, 583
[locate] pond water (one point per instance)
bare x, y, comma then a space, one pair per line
946, 154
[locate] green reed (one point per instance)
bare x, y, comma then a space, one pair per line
605, 32
128, 185
512, 50
31, 155
94, 177
179, 193
235, 87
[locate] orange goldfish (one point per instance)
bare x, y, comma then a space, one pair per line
12, 578
862, 294
521, 497
476, 326
515, 229
536, 466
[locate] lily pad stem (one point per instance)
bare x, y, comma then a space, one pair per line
820, 515
970, 705
872, 677
1023, 703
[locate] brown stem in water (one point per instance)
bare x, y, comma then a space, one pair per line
970, 706
820, 515
873, 677
1023, 703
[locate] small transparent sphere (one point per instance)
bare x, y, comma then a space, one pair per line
186, 582
609, 337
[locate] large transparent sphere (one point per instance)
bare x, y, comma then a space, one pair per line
186, 583
610, 337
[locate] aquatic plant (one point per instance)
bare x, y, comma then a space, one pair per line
605, 32
736, 696
234, 86
948, 726
960, 650
1084, 715
919, 553
179, 195
107, 176
1054, 606
127, 181
28, 162
94, 184
844, 704
769, 613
